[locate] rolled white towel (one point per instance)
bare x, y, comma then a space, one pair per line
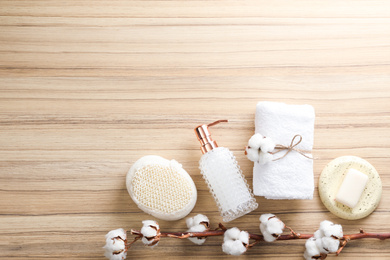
292, 176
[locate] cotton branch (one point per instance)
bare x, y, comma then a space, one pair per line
361, 234
213, 233
328, 239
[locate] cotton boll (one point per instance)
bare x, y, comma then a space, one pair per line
235, 241
150, 228
255, 141
329, 229
146, 241
270, 225
197, 228
275, 226
190, 222
307, 256
263, 228
265, 158
324, 225
268, 237
244, 237
150, 223
330, 244
119, 256
311, 247
320, 246
318, 234
252, 154
334, 230
231, 234
110, 255
264, 218
151, 243
267, 145
114, 244
150, 232
120, 232
197, 220
233, 247
196, 240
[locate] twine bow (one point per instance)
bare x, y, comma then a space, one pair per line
290, 148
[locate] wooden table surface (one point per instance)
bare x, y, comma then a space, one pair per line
89, 87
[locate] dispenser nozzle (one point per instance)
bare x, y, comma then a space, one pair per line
217, 122
204, 137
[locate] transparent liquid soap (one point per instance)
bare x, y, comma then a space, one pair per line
224, 177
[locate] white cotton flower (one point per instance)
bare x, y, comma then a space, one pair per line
330, 229
198, 223
235, 241
120, 232
253, 154
275, 226
330, 244
120, 256
267, 145
255, 141
150, 232
244, 237
268, 237
198, 220
233, 247
115, 244
258, 149
307, 256
253, 148
320, 246
271, 227
115, 248
265, 217
311, 247
232, 233
319, 234
325, 224
326, 239
197, 228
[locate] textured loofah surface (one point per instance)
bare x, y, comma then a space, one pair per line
161, 188
331, 179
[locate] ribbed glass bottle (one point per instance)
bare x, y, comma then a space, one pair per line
227, 184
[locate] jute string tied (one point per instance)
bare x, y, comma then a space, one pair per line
291, 147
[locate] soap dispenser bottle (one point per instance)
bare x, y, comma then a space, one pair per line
224, 177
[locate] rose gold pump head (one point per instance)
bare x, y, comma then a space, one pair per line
204, 137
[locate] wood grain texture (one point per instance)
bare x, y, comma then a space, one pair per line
88, 87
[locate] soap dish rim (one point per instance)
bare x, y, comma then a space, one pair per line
330, 207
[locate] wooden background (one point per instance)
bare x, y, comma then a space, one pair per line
88, 87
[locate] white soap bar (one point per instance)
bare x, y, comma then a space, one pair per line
351, 188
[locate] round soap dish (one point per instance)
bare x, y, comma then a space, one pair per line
331, 179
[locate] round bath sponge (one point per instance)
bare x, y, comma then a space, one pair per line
161, 188
330, 181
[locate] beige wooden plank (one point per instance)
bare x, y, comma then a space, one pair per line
88, 87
